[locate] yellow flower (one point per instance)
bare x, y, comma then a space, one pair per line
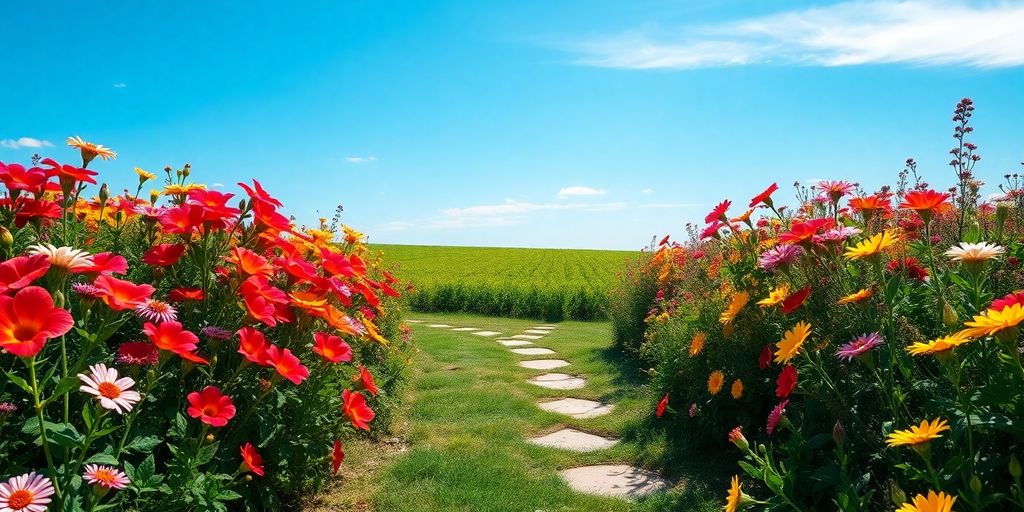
90, 150
715, 381
737, 389
872, 246
857, 297
776, 296
922, 433
697, 343
352, 236
732, 499
182, 189
940, 502
144, 176
791, 342
739, 300
371, 331
993, 322
940, 344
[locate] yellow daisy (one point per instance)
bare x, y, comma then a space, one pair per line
144, 176
732, 499
715, 382
993, 322
872, 246
737, 389
697, 344
922, 433
739, 300
90, 150
776, 296
940, 502
791, 342
939, 345
857, 297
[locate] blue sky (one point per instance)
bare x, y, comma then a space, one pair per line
460, 122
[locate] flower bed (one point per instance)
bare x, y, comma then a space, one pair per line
187, 350
861, 350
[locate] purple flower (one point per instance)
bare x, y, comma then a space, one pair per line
216, 333
780, 255
7, 408
693, 410
859, 346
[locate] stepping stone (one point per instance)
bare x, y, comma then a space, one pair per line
487, 333
465, 329
558, 381
544, 364
533, 351
527, 337
574, 440
440, 326
414, 321
536, 331
576, 408
514, 343
617, 480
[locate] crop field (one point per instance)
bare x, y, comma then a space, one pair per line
548, 284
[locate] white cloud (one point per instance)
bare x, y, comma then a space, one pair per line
360, 159
580, 191
25, 142
647, 191
919, 32
667, 205
120, 85
217, 185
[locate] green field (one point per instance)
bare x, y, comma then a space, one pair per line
548, 284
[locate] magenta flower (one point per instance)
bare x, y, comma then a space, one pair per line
836, 235
780, 256
859, 346
776, 416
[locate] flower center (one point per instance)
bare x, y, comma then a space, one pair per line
109, 390
158, 307
105, 476
20, 499
25, 332
210, 410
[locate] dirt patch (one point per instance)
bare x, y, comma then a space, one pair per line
356, 481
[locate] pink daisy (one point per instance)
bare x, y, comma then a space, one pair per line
113, 393
156, 311
776, 416
859, 346
29, 492
105, 476
87, 290
780, 256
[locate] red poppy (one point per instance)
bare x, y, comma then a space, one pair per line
332, 348
261, 300
764, 197
786, 382
337, 456
766, 357
214, 205
354, 405
163, 255
29, 319
366, 379
802, 232
122, 295
69, 173
286, 364
794, 301
171, 337
253, 345
712, 230
17, 273
1011, 299
249, 263
181, 220
924, 201
718, 213
185, 294
211, 406
662, 405
664, 241
107, 263
298, 268
251, 459
16, 177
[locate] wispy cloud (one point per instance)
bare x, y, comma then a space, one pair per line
511, 212
25, 142
360, 159
580, 191
120, 85
981, 34
668, 205
647, 191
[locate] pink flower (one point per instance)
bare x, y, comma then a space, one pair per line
112, 393
859, 346
29, 492
776, 416
105, 476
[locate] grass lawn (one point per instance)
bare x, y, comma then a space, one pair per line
470, 410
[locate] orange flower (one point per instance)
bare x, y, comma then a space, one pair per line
791, 342
90, 150
29, 319
122, 295
869, 203
251, 459
924, 202
857, 297
249, 263
171, 337
697, 344
354, 406
715, 382
739, 300
737, 389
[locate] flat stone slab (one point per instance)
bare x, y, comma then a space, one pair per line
576, 407
574, 440
558, 381
536, 331
465, 329
414, 321
616, 480
533, 351
487, 333
515, 343
544, 364
440, 326
527, 337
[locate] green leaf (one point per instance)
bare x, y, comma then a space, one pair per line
143, 444
64, 386
146, 469
18, 381
206, 453
103, 458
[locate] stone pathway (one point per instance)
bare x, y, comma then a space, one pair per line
570, 439
617, 480
577, 408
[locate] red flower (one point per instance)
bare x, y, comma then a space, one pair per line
250, 263
163, 255
251, 459
138, 353
185, 294
712, 230
766, 357
662, 405
910, 266
802, 232
1016, 297
794, 301
29, 319
253, 345
332, 348
121, 295
764, 197
718, 213
15, 177
664, 241
924, 201
181, 220
214, 206
354, 405
211, 406
171, 337
786, 382
17, 273
32, 209
775, 416
262, 300
366, 379
287, 365
337, 456
869, 203
70, 173
107, 263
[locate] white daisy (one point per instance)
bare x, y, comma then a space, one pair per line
972, 253
113, 393
64, 257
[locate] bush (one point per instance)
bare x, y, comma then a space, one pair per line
631, 300
860, 356
184, 355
